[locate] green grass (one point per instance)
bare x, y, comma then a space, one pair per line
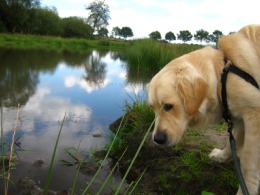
149, 54
140, 109
56, 42
117, 143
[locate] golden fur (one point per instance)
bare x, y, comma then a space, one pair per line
190, 88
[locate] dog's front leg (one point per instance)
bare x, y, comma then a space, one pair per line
250, 156
225, 155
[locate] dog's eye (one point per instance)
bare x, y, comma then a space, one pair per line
167, 107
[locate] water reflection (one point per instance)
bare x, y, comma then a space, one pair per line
95, 71
87, 85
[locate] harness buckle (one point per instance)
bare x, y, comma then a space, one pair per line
228, 64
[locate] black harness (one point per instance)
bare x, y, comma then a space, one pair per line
227, 118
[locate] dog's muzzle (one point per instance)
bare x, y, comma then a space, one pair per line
160, 138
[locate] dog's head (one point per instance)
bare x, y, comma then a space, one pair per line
180, 89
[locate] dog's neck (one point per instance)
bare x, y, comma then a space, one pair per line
212, 105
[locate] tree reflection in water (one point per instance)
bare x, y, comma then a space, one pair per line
95, 70
20, 69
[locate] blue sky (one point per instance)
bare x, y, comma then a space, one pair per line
145, 16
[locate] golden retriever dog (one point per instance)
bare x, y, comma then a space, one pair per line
189, 88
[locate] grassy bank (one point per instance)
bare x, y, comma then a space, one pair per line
182, 169
150, 54
50, 41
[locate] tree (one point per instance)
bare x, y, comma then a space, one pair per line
126, 32
155, 35
14, 13
76, 27
201, 35
215, 36
48, 22
170, 36
231, 32
184, 35
116, 31
102, 32
99, 14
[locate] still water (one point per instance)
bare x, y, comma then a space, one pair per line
89, 86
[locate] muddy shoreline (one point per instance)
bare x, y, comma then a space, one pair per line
183, 169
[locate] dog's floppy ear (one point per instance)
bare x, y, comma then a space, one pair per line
193, 92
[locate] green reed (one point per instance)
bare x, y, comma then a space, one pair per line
149, 54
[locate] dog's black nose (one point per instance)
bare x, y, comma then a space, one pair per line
160, 138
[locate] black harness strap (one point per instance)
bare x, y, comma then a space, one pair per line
227, 118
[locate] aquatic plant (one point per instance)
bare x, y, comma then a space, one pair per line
76, 156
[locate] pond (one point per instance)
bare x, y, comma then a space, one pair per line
90, 86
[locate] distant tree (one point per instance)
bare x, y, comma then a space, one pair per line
184, 35
126, 32
99, 14
231, 32
102, 32
76, 27
215, 36
116, 31
155, 35
201, 35
170, 36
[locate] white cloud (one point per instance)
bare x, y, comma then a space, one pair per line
41, 107
73, 12
224, 15
117, 72
110, 3
70, 81
53, 108
228, 15
139, 23
135, 88
146, 3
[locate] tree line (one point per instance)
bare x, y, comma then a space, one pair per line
28, 17
185, 36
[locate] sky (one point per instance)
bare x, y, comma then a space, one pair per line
146, 16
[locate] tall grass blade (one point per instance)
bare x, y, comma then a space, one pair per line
74, 184
138, 150
104, 158
128, 187
2, 142
53, 156
11, 152
110, 173
137, 182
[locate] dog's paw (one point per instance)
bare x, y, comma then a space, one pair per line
219, 156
